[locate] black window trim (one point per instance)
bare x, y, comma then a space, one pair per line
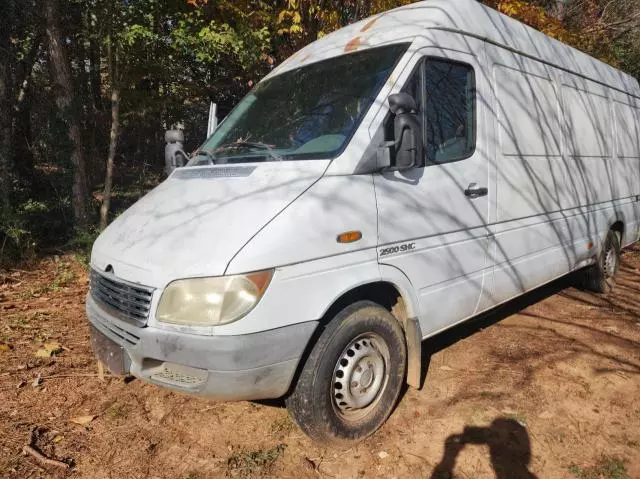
420, 69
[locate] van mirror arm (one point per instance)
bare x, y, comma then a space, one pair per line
385, 156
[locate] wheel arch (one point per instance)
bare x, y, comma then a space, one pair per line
618, 227
394, 292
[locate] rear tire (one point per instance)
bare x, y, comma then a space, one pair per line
600, 278
352, 379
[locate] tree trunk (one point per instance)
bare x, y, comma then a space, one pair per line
561, 9
113, 143
21, 138
113, 138
6, 97
61, 76
94, 74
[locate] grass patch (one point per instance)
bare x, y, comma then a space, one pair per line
260, 462
606, 467
282, 427
82, 259
20, 322
64, 276
117, 411
33, 293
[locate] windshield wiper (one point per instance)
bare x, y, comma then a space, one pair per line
206, 153
251, 144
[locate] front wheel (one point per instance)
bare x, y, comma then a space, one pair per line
351, 381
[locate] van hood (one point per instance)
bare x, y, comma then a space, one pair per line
193, 223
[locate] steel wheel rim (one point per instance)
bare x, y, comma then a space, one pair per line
360, 376
610, 262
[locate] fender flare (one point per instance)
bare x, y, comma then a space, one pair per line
410, 323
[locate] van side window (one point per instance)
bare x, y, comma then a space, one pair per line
450, 111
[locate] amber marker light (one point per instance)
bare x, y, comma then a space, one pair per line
349, 237
261, 279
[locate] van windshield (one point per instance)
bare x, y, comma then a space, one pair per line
308, 113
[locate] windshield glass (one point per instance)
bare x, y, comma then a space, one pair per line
307, 113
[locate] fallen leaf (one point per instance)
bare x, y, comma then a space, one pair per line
5, 347
57, 439
49, 349
83, 420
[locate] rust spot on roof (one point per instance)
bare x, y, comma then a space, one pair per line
353, 44
369, 24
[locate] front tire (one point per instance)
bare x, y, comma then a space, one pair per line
351, 381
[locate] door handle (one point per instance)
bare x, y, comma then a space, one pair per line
475, 191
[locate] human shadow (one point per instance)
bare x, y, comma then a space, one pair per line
509, 449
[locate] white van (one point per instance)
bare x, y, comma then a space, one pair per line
385, 183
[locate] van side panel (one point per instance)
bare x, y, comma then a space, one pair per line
530, 143
626, 110
532, 243
588, 129
627, 139
566, 167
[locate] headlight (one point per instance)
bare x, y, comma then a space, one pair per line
212, 301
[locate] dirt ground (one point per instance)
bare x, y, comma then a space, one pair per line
547, 387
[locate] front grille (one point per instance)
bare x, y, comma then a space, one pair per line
120, 335
127, 301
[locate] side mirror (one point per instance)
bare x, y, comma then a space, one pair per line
174, 156
407, 135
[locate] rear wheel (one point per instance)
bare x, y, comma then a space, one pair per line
600, 278
352, 379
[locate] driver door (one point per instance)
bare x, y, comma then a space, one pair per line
433, 218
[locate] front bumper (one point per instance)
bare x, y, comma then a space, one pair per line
250, 366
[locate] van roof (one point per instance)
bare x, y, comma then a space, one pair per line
469, 17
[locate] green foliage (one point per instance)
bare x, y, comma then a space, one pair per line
81, 243
169, 59
16, 243
244, 463
64, 276
606, 468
